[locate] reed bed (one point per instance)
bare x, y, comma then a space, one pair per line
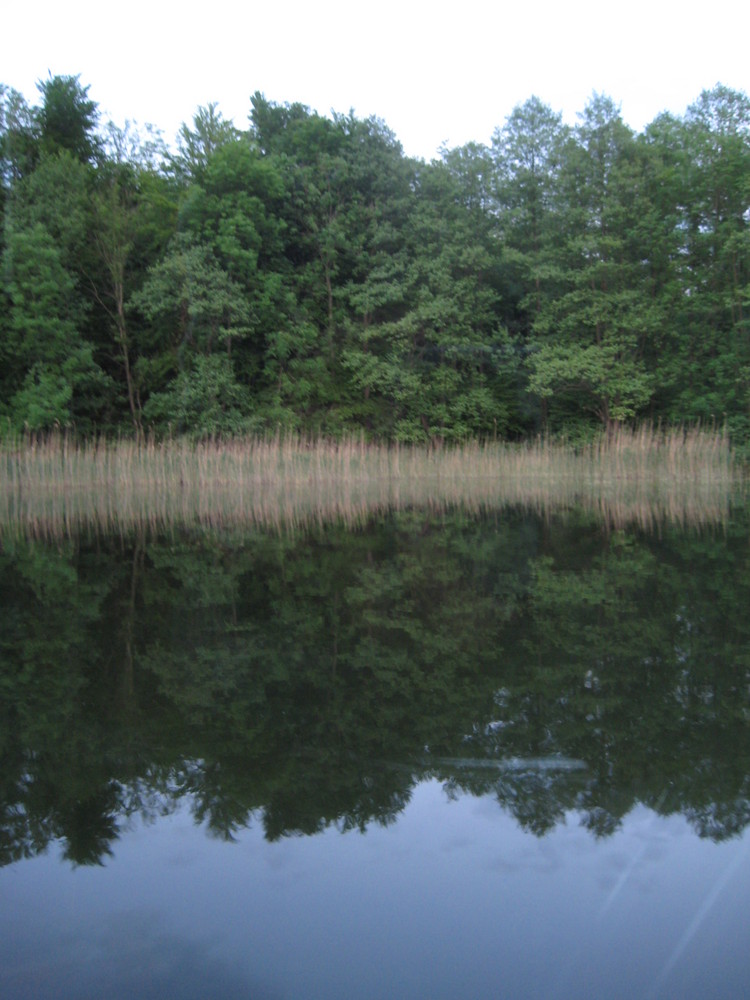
56, 486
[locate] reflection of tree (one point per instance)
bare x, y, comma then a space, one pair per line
66, 747
90, 826
303, 682
642, 647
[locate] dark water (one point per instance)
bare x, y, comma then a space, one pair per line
432, 757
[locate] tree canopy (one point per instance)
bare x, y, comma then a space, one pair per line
304, 274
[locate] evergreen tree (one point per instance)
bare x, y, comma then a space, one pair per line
591, 336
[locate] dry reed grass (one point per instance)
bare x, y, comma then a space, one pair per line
57, 486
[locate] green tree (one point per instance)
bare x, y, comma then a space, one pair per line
19, 138
202, 309
714, 347
49, 217
195, 310
132, 220
528, 156
68, 118
60, 383
196, 144
590, 338
56, 195
438, 353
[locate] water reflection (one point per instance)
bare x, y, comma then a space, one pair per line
54, 488
550, 665
451, 901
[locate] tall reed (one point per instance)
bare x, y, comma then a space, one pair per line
55, 485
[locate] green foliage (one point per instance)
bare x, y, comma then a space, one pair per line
193, 300
55, 377
563, 278
591, 335
196, 145
202, 400
19, 138
68, 118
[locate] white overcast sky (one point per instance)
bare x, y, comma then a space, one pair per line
435, 72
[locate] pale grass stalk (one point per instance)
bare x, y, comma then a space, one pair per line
56, 485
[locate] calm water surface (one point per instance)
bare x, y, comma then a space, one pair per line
435, 756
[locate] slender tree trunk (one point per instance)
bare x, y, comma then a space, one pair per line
122, 336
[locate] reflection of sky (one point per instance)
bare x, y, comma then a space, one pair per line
454, 900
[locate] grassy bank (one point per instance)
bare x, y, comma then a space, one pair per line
56, 485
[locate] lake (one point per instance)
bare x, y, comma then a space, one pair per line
430, 754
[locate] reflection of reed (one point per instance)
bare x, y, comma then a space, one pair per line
54, 486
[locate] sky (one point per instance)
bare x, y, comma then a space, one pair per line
436, 73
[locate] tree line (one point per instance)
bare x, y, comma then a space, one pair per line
304, 274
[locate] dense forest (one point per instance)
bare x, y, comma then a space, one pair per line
305, 274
